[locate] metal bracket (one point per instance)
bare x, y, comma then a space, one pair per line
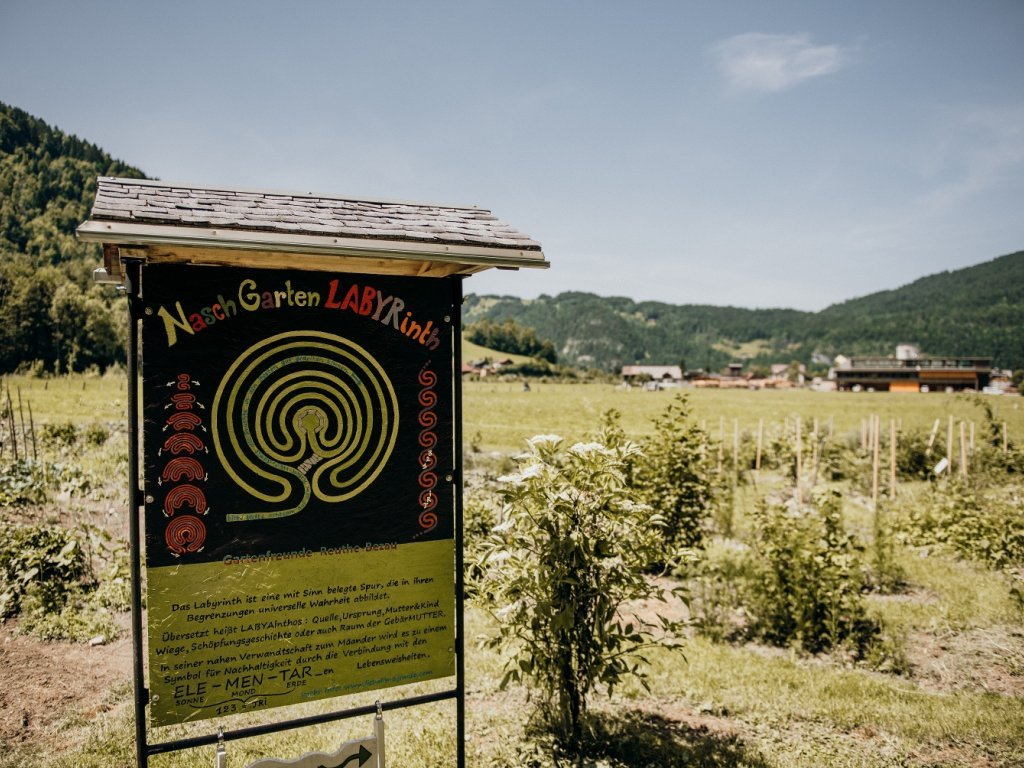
221, 760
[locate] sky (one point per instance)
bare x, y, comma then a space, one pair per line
755, 154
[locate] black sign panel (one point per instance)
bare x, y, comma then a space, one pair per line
285, 410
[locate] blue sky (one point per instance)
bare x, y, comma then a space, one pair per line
748, 153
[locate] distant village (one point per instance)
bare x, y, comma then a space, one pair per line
905, 371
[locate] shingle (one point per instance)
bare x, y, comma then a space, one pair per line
129, 200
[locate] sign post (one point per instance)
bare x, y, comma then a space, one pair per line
299, 504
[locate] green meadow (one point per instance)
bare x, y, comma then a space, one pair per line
500, 416
957, 698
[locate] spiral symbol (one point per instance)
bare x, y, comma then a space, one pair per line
427, 439
303, 414
185, 534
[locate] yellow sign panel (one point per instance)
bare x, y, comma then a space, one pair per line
238, 636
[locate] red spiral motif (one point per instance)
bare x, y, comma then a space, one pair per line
428, 460
428, 520
184, 381
185, 534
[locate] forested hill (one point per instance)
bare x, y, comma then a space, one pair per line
51, 315
49, 309
974, 311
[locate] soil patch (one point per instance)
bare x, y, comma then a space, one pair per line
989, 660
43, 683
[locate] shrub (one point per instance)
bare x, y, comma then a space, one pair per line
47, 559
60, 435
23, 482
671, 474
78, 616
561, 569
96, 435
974, 524
807, 581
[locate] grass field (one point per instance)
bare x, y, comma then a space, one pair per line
959, 702
500, 416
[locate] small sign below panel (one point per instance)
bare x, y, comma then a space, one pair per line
298, 460
358, 753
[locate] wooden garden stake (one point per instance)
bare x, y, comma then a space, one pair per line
32, 430
721, 442
892, 459
874, 461
24, 431
949, 445
799, 453
963, 450
814, 451
760, 441
932, 436
735, 452
13, 428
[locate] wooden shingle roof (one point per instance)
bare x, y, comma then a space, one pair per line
157, 221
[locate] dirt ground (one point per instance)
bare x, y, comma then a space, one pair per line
43, 683
47, 683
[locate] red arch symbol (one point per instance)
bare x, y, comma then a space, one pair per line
183, 467
184, 496
184, 420
183, 442
183, 401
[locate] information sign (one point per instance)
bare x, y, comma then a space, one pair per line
299, 502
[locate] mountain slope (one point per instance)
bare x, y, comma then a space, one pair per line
49, 310
974, 311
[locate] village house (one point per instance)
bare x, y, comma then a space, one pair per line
662, 375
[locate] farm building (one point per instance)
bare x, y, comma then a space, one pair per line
913, 374
663, 374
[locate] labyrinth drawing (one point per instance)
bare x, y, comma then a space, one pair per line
303, 414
